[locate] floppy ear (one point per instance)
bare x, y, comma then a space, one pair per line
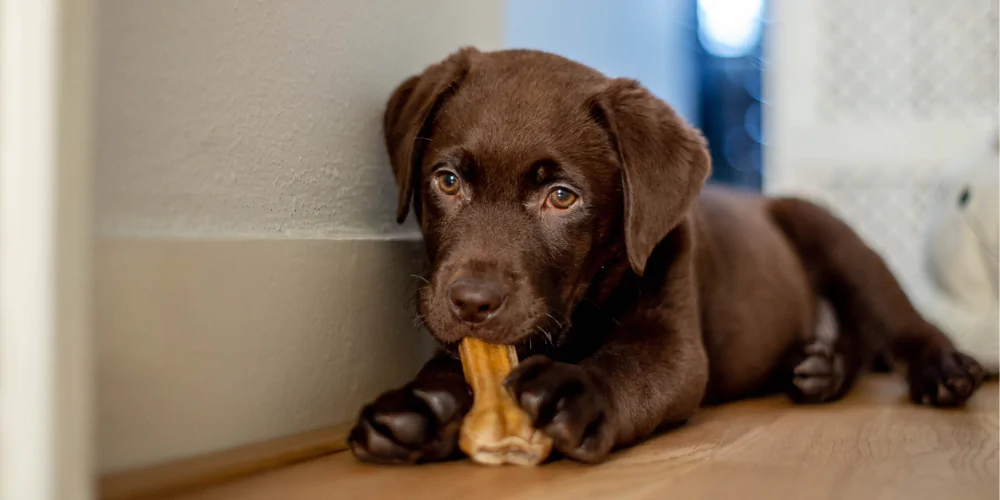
664, 163
409, 116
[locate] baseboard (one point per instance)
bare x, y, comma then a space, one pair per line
217, 468
208, 345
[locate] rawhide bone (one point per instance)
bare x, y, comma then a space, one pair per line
496, 430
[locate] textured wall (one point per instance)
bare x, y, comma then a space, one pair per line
251, 281
235, 118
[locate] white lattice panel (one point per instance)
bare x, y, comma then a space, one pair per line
890, 215
908, 59
870, 102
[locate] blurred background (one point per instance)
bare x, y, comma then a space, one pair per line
702, 57
199, 247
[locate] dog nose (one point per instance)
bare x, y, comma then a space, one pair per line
475, 301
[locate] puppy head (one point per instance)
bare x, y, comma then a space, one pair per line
528, 174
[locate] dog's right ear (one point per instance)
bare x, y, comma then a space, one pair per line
409, 117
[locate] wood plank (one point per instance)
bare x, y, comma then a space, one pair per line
874, 444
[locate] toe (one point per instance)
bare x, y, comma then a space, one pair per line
814, 365
409, 428
375, 447
945, 379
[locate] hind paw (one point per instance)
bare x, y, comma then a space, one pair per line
819, 376
944, 377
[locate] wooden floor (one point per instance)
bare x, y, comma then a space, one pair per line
874, 444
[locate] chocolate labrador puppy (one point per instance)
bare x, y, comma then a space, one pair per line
563, 213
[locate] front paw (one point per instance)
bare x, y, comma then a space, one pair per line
417, 423
565, 403
944, 377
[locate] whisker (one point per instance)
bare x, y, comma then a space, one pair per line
418, 321
547, 334
421, 278
602, 311
412, 300
556, 320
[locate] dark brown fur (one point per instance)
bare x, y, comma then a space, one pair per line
642, 301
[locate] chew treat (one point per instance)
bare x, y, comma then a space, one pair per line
496, 430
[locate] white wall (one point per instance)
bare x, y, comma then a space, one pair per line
650, 40
251, 281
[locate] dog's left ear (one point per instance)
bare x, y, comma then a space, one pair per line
664, 163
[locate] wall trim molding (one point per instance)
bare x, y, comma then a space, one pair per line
206, 345
219, 467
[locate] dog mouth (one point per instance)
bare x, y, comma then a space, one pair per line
540, 334
521, 317
537, 334
532, 344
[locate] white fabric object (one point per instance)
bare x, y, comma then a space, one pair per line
961, 257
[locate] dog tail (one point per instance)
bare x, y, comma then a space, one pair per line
871, 307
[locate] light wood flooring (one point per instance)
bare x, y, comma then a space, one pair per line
873, 444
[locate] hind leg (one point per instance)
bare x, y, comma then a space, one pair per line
823, 368
875, 311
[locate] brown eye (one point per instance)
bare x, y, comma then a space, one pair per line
448, 183
562, 198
